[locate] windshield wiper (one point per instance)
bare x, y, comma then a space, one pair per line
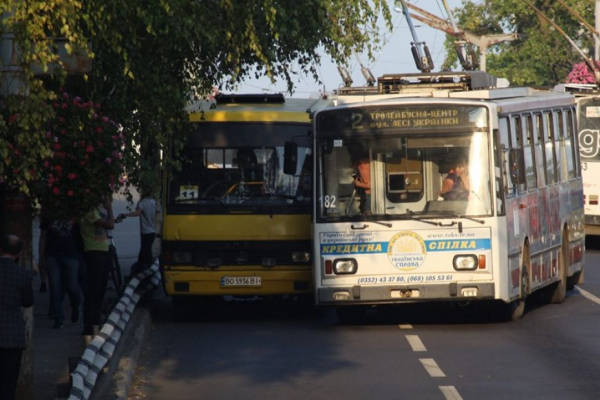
434, 214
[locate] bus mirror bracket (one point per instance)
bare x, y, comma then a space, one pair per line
290, 158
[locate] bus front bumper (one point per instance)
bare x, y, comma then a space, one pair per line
335, 296
242, 283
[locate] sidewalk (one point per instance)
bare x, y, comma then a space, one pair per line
52, 348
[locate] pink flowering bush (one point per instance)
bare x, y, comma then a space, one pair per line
86, 160
581, 73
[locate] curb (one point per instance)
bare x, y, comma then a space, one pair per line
129, 359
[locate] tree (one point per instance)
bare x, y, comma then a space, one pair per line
541, 56
151, 58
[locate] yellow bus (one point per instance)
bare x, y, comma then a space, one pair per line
236, 220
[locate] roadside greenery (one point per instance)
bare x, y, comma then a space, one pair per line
149, 60
541, 56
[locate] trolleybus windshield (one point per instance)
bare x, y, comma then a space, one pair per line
423, 162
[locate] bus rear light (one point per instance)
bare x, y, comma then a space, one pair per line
345, 266
465, 262
328, 267
482, 264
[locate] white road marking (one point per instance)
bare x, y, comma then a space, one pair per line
415, 343
431, 367
588, 295
450, 393
406, 326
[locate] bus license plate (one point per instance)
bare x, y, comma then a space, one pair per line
241, 281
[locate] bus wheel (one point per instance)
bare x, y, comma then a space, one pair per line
574, 280
559, 291
516, 308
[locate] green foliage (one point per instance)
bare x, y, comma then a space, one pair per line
150, 58
541, 56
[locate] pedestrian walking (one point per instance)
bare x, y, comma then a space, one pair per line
59, 256
93, 227
16, 293
146, 210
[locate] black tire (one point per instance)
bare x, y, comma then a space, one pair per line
516, 308
559, 289
573, 280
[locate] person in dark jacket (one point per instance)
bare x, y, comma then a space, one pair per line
16, 293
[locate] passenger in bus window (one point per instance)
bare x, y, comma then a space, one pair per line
456, 183
362, 183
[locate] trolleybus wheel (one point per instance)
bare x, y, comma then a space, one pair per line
559, 291
516, 308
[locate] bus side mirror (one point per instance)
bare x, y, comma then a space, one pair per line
517, 166
290, 158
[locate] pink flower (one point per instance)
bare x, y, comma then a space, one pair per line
99, 130
48, 134
70, 193
64, 106
72, 176
56, 190
108, 160
89, 149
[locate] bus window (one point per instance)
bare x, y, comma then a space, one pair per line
528, 151
549, 149
569, 147
505, 146
517, 163
537, 145
559, 141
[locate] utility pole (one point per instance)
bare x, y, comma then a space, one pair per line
483, 42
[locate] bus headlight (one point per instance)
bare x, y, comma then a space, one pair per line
465, 262
301, 256
345, 266
182, 257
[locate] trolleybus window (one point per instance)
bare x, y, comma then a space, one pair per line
530, 162
407, 171
549, 149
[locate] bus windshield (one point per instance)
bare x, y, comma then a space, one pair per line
404, 176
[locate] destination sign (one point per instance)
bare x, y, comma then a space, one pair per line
373, 119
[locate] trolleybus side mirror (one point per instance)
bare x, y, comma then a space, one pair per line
290, 158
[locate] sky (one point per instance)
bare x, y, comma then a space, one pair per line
394, 57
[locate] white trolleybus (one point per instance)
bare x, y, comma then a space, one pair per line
588, 118
442, 187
